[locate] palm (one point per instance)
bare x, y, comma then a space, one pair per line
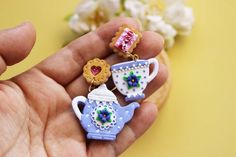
35, 112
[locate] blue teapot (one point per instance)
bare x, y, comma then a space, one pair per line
102, 116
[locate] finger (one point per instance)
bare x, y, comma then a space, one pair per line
158, 81
68, 63
131, 132
150, 46
15, 44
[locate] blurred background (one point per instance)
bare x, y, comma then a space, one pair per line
199, 117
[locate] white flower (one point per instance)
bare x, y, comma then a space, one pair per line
175, 19
156, 23
86, 9
136, 9
169, 2
180, 17
78, 25
82, 20
90, 14
110, 7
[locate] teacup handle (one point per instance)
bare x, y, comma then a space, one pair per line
155, 69
78, 101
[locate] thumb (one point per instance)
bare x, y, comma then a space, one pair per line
15, 44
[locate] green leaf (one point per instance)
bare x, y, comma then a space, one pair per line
117, 14
139, 77
67, 17
131, 73
125, 78
122, 4
138, 85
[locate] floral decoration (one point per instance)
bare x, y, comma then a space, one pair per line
104, 116
167, 17
132, 80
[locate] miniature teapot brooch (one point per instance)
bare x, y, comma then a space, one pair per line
102, 117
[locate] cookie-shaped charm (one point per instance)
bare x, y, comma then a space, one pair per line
125, 40
96, 71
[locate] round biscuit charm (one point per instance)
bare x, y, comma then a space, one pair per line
96, 71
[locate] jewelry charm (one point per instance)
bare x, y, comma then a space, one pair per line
125, 40
102, 117
131, 77
96, 71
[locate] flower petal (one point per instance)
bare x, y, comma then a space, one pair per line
180, 16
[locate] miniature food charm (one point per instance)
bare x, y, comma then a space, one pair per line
100, 114
96, 71
125, 40
131, 77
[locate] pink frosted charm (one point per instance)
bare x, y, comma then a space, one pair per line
125, 40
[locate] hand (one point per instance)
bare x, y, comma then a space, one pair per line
36, 118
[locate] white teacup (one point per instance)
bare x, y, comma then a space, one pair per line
132, 77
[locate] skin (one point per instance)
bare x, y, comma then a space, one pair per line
35, 108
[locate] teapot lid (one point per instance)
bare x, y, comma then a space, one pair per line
102, 94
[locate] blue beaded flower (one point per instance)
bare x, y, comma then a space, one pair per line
104, 116
132, 80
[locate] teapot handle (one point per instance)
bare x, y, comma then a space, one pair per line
155, 69
79, 100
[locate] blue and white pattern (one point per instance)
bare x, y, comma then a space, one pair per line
133, 86
101, 123
102, 116
140, 69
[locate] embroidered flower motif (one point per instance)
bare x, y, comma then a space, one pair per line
104, 116
132, 80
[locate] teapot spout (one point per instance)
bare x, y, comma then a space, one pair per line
128, 111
